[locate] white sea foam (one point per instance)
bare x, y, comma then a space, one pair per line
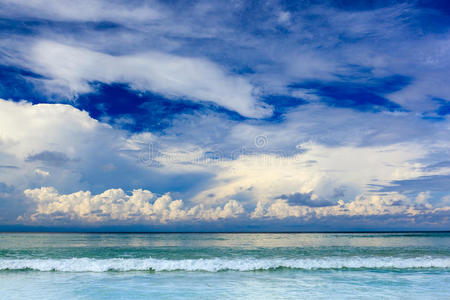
218, 264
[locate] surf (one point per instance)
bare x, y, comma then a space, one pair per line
221, 264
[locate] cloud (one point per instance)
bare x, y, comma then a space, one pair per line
267, 175
5, 189
101, 156
349, 112
54, 158
420, 183
41, 172
208, 166
367, 96
330, 44
48, 125
11, 201
439, 165
305, 199
84, 10
72, 69
393, 204
116, 205
8, 167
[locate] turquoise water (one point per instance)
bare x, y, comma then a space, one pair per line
225, 266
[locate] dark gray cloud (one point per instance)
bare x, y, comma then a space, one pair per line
434, 183
8, 167
305, 199
12, 203
5, 189
439, 165
54, 158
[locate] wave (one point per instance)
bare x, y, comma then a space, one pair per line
218, 264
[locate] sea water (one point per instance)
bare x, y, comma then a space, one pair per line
225, 266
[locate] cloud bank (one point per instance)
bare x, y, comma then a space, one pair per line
116, 205
279, 113
143, 207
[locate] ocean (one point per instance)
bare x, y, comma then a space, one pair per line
224, 266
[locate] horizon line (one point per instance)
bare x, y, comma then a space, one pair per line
230, 232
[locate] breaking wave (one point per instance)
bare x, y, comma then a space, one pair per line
219, 264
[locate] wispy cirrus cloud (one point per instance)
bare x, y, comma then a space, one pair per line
95, 11
73, 69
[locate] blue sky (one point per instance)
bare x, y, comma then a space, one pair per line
212, 115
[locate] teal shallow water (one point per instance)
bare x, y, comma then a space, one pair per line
209, 266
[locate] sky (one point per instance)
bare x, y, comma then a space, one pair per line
224, 115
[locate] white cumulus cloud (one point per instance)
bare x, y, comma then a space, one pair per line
116, 205
363, 205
